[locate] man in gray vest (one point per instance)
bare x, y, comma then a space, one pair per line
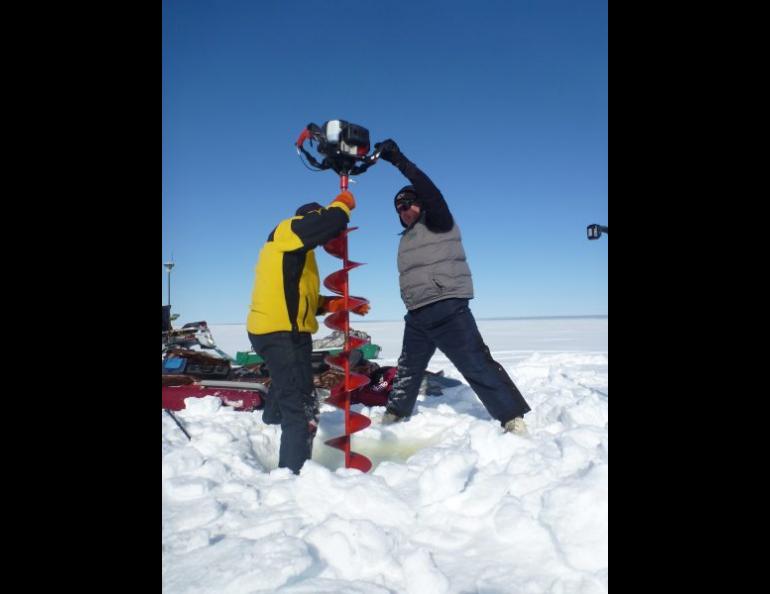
436, 285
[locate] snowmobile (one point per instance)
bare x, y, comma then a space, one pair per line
193, 366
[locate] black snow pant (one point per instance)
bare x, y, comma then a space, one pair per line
449, 326
290, 400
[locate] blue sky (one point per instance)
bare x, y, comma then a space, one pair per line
502, 103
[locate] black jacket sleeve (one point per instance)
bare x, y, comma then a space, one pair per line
437, 215
318, 227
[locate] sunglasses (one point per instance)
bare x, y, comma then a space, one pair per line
404, 206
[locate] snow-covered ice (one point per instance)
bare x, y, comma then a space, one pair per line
452, 505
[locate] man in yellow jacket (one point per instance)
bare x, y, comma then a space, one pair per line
285, 301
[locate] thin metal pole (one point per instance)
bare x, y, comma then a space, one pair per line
178, 423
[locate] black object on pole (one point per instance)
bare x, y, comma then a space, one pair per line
169, 265
178, 424
343, 145
595, 231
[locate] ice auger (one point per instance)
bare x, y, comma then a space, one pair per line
345, 147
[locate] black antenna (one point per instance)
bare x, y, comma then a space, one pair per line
169, 265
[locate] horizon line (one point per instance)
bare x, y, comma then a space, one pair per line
361, 321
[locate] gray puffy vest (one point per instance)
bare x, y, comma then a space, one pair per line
432, 266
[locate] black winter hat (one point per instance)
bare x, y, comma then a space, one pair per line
407, 192
306, 208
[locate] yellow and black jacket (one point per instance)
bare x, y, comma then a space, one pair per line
285, 296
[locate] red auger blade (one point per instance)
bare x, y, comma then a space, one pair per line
337, 321
354, 343
337, 281
337, 361
336, 303
354, 302
359, 462
337, 400
358, 422
338, 246
338, 442
357, 380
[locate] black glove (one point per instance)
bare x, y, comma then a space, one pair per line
389, 151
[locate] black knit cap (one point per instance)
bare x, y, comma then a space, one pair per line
407, 193
306, 208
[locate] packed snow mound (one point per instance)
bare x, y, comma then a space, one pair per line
453, 504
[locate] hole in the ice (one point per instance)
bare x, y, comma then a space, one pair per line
378, 445
377, 451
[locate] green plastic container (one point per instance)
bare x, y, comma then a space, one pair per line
247, 358
369, 350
